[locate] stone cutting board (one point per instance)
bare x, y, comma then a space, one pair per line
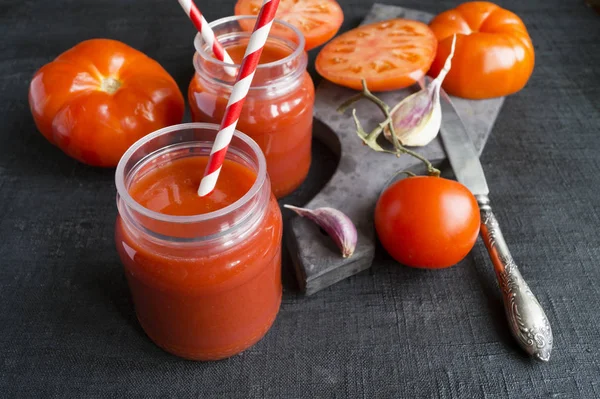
362, 172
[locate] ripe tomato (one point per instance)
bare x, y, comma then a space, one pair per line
494, 54
318, 20
389, 55
427, 222
101, 96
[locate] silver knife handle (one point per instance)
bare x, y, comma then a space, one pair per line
526, 318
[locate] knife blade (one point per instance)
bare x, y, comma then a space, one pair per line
460, 149
526, 317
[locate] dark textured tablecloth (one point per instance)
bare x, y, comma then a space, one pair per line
67, 326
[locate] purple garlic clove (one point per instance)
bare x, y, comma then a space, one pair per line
417, 119
335, 223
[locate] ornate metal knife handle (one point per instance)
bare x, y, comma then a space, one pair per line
527, 320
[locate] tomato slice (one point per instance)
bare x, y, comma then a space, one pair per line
318, 20
389, 55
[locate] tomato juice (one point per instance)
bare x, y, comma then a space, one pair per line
278, 109
204, 272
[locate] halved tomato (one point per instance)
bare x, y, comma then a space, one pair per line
389, 55
318, 20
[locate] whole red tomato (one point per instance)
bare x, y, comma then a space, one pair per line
101, 96
427, 222
494, 55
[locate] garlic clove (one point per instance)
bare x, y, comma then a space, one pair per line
335, 223
417, 118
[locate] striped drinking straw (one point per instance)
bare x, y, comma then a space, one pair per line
207, 34
238, 95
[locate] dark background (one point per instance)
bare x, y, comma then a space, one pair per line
67, 327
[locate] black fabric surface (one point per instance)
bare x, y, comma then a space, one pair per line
67, 326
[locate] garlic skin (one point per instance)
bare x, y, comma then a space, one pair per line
335, 223
417, 118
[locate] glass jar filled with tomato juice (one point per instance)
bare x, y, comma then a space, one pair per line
278, 111
204, 272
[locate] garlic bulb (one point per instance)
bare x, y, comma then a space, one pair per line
417, 118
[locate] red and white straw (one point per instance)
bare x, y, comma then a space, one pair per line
238, 95
207, 33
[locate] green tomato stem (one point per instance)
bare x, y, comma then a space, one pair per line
370, 138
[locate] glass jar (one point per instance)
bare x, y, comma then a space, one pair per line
207, 286
278, 109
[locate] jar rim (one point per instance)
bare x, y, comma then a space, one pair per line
123, 193
199, 41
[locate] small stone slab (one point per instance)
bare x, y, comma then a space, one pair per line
362, 173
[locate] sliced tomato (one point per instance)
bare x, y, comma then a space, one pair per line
318, 20
389, 55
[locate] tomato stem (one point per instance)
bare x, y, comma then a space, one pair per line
370, 138
110, 85
408, 173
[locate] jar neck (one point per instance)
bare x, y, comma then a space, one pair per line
285, 46
226, 225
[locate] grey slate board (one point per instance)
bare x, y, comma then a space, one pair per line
362, 173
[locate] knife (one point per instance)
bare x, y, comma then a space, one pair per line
526, 318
